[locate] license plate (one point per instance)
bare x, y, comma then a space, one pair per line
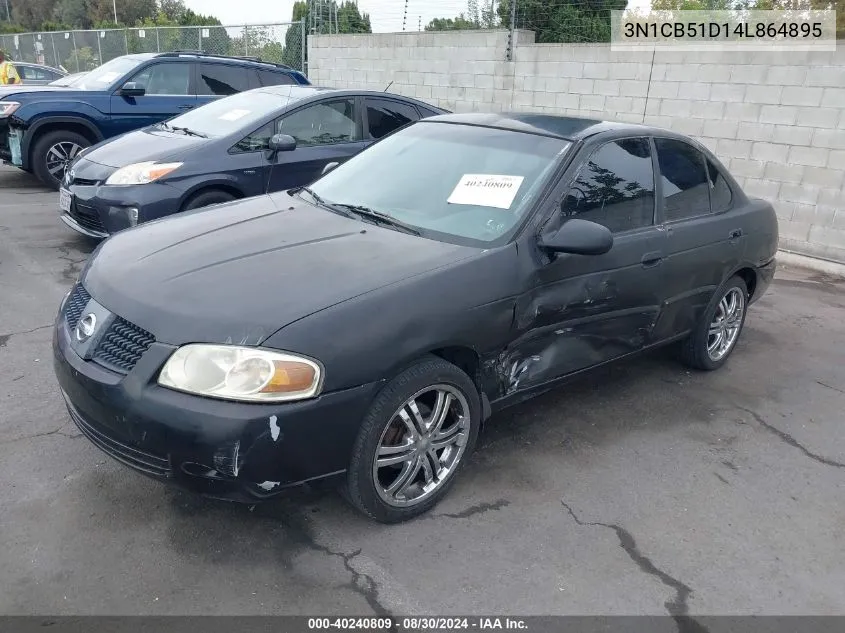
65, 200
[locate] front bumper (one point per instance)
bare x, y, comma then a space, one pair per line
235, 451
98, 211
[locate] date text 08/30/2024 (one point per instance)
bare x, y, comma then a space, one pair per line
417, 624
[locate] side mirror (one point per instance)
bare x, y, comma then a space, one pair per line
579, 237
329, 167
282, 143
133, 89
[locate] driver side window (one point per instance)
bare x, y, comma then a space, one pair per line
258, 141
615, 188
165, 79
325, 123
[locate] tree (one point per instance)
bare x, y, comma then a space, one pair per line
129, 12
31, 14
321, 17
564, 20
803, 5
474, 18
460, 23
73, 12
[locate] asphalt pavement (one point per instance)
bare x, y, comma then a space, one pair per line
642, 489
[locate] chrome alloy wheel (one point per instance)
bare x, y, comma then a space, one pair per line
59, 156
724, 330
421, 445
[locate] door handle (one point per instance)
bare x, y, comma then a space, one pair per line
735, 234
185, 107
651, 259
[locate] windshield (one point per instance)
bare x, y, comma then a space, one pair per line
103, 76
230, 114
449, 181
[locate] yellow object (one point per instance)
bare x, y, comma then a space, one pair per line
9, 74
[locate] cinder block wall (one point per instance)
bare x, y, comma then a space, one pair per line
777, 120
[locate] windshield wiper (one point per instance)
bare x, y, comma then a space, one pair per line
379, 217
187, 131
323, 203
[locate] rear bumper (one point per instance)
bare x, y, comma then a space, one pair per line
765, 275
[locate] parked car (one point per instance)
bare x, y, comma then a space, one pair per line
42, 128
223, 151
67, 80
366, 326
38, 74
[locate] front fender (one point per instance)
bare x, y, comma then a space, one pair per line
32, 123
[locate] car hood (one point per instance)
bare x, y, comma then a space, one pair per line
149, 144
19, 89
238, 272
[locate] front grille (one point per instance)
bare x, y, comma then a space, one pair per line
146, 462
87, 217
122, 346
76, 303
83, 182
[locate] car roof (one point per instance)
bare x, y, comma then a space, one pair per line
562, 127
33, 65
303, 92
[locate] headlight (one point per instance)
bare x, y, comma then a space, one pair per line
241, 373
141, 173
7, 107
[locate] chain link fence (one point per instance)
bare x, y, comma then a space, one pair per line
81, 51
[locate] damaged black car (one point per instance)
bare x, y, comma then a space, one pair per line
365, 327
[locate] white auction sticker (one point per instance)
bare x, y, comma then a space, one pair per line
486, 190
234, 115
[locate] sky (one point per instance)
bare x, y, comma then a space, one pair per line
386, 15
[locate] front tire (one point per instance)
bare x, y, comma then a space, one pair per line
207, 198
419, 432
53, 152
715, 337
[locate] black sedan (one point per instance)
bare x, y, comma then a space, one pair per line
232, 148
366, 326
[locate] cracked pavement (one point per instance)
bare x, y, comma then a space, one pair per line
642, 489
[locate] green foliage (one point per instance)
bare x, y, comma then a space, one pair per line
81, 60
460, 23
564, 20
56, 15
73, 12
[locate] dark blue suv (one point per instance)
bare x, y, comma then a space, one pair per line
42, 128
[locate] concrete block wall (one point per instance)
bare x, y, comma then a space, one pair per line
777, 120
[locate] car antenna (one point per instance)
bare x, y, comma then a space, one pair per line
388, 86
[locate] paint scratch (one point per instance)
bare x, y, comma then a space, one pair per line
274, 427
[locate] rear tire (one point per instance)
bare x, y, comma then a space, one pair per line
715, 337
206, 198
402, 427
53, 152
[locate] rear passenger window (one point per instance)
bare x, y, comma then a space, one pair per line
720, 192
269, 78
616, 187
222, 79
686, 188
386, 115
